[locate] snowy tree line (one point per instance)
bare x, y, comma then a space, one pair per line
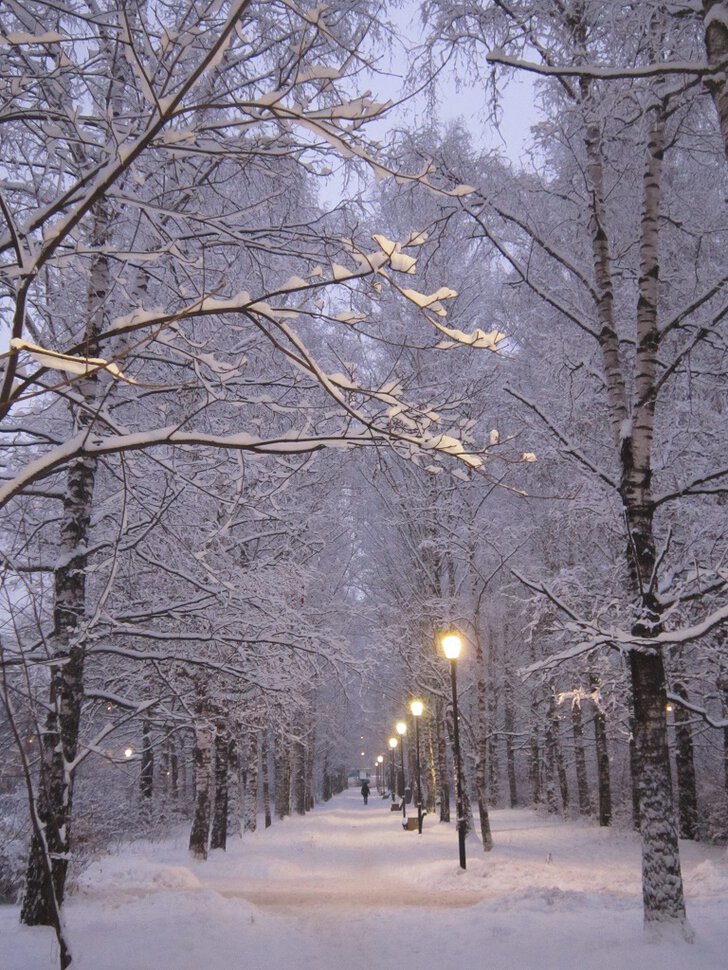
260, 451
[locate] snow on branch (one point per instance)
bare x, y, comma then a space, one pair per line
55, 360
592, 637
479, 339
721, 724
19, 39
293, 443
606, 72
401, 422
698, 486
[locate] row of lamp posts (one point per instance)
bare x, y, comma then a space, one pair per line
451, 645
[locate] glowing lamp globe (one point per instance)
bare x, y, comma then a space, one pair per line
452, 644
417, 707
401, 727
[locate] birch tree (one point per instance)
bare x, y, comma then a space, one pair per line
142, 148
641, 318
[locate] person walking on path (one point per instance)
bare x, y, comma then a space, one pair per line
365, 791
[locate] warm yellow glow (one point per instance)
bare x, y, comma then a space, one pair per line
128, 752
392, 742
668, 708
452, 644
380, 759
417, 707
401, 727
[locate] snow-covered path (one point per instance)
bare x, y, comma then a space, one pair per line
346, 886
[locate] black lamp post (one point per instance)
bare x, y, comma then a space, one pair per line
401, 731
417, 707
392, 746
452, 645
380, 773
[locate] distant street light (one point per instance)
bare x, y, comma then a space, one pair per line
401, 731
417, 707
380, 773
452, 644
392, 745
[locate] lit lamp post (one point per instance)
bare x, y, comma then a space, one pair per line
417, 707
401, 731
392, 746
380, 772
451, 646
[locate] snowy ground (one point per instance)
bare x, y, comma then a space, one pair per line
346, 886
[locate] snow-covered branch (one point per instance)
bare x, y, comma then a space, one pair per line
605, 72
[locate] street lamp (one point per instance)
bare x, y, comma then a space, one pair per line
380, 772
417, 707
452, 644
401, 731
392, 745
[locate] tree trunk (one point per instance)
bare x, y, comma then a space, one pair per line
534, 766
604, 788
722, 685
442, 772
687, 796
265, 772
634, 773
173, 769
146, 775
662, 889
432, 787
327, 783
508, 726
559, 757
481, 751
556, 770
282, 767
218, 835
309, 768
549, 745
299, 777
466, 807
715, 21
250, 784
492, 694
235, 795
582, 780
60, 738
202, 758
45, 862
492, 759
